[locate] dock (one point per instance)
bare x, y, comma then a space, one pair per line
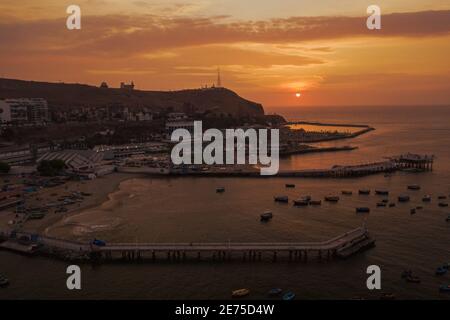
341, 246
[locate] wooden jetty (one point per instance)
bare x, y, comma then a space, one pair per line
414, 161
341, 246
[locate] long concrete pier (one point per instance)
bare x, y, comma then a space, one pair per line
341, 246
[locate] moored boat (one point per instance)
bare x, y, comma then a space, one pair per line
381, 204
289, 296
382, 192
426, 198
413, 279
302, 201
281, 199
363, 210
404, 198
347, 192
290, 185
441, 271
266, 216
391, 205
442, 197
240, 293
220, 190
414, 187
332, 198
413, 211
443, 204
448, 218
315, 202
364, 192
275, 292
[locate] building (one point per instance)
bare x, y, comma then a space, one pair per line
104, 85
126, 86
174, 125
24, 110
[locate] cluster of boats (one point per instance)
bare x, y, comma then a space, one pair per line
275, 292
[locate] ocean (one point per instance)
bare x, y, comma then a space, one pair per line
189, 210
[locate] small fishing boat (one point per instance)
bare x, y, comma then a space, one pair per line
220, 190
442, 197
385, 200
315, 202
391, 205
290, 185
239, 293
426, 198
382, 192
414, 187
363, 210
266, 216
441, 271
332, 198
419, 208
444, 288
281, 199
301, 202
448, 218
347, 192
404, 198
381, 204
275, 292
443, 204
288, 296
364, 192
413, 211
4, 282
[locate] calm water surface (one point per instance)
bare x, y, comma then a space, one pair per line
188, 209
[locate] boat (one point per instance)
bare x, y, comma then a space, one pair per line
382, 192
442, 197
220, 190
443, 204
332, 198
364, 192
275, 292
381, 204
391, 205
36, 215
240, 293
363, 210
281, 199
404, 198
414, 187
413, 211
448, 218
444, 288
290, 185
426, 198
289, 296
347, 193
4, 282
302, 201
315, 202
385, 200
266, 216
441, 271
419, 208
99, 243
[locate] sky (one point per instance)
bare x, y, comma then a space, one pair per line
267, 50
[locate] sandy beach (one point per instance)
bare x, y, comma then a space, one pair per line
99, 189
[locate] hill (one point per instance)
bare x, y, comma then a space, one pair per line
63, 95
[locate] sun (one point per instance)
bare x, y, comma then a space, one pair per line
298, 94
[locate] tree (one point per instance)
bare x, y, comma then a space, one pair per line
4, 167
51, 168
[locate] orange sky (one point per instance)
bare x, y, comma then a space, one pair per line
267, 50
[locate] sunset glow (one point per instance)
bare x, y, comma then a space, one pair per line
168, 45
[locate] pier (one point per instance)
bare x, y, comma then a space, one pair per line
341, 246
414, 161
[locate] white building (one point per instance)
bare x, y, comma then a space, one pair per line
24, 110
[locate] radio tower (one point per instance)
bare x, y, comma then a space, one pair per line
219, 80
